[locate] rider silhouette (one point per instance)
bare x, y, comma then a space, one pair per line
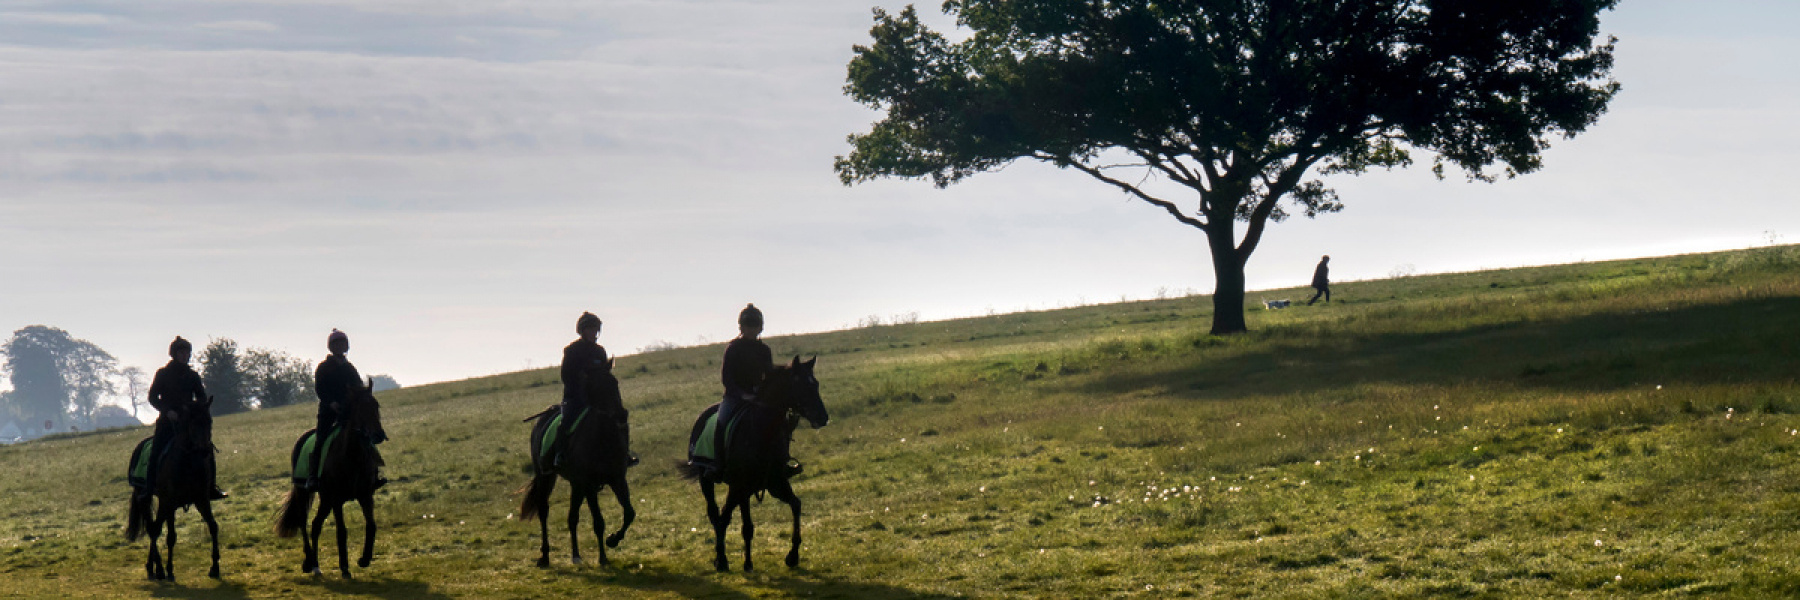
332, 382
583, 358
174, 385
746, 366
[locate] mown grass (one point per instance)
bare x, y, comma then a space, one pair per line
1597, 429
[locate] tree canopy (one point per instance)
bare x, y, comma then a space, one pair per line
1247, 104
55, 375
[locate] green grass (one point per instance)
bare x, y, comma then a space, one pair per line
1598, 429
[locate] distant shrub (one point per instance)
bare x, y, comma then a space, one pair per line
657, 346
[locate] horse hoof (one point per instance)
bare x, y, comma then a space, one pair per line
214, 573
575, 561
613, 542
544, 563
364, 562
347, 576
793, 560
721, 567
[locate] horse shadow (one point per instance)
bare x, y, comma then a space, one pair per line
795, 583
379, 587
224, 590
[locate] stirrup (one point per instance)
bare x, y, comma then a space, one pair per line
379, 481
793, 467
311, 484
218, 494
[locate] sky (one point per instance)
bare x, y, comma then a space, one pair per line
453, 183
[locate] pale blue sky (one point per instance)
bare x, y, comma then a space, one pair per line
452, 183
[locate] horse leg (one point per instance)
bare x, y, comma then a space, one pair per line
574, 524
749, 528
543, 517
153, 567
311, 565
212, 529
368, 511
343, 539
720, 519
168, 511
627, 514
592, 498
784, 492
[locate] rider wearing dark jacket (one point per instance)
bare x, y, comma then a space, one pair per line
747, 363
582, 359
332, 382
175, 384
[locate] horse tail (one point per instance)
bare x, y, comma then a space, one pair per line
292, 518
138, 509
293, 512
690, 471
537, 496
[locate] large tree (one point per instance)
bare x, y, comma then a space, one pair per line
55, 376
276, 378
1244, 105
222, 373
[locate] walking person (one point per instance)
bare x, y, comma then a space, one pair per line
175, 384
1321, 281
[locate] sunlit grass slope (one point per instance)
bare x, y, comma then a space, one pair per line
1589, 430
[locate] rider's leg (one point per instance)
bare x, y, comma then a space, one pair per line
318, 452
159, 443
625, 443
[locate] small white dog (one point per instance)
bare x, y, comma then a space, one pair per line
1274, 304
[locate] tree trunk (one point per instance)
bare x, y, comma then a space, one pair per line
1228, 279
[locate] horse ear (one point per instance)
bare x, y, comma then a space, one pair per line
796, 362
610, 362
371, 386
812, 360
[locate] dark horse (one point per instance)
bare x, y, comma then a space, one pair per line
593, 458
184, 478
756, 459
348, 473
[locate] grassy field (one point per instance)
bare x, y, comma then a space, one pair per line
1602, 429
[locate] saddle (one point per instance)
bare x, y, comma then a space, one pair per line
303, 467
554, 428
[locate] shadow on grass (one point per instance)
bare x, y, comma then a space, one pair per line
734, 585
374, 587
216, 590
1746, 341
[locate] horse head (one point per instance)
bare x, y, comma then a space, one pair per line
804, 392
196, 424
365, 412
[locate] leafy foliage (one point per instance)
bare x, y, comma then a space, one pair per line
54, 375
1245, 103
275, 378
223, 376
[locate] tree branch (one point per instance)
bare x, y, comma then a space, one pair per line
1097, 173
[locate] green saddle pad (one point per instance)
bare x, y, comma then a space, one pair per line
139, 473
703, 447
303, 467
551, 432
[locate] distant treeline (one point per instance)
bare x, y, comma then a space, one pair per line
61, 383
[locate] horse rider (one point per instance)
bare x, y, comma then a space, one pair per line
332, 382
747, 364
175, 384
584, 358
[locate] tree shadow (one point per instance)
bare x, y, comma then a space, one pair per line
1744, 341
